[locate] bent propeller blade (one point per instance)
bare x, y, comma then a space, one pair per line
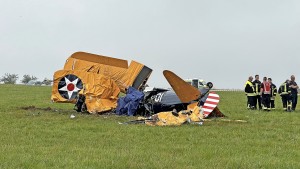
184, 91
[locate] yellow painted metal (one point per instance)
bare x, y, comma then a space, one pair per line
117, 69
184, 91
93, 58
101, 91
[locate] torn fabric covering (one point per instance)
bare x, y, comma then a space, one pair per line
101, 91
123, 77
117, 69
128, 104
115, 73
132, 72
167, 119
171, 119
102, 95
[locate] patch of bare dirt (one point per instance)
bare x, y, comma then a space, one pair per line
36, 108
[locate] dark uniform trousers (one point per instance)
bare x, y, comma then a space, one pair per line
294, 98
286, 101
250, 103
272, 102
266, 101
256, 100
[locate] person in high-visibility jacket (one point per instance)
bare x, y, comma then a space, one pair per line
250, 92
285, 93
273, 93
257, 87
265, 93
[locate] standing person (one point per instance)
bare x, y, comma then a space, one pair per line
294, 92
249, 90
257, 86
265, 93
273, 93
285, 91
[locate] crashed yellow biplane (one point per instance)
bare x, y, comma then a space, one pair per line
98, 78
93, 83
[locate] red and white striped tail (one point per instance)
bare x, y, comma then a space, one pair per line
210, 103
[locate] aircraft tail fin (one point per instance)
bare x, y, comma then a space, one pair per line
184, 91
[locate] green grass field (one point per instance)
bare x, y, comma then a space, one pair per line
44, 136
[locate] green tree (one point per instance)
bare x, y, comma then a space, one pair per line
47, 81
9, 78
27, 78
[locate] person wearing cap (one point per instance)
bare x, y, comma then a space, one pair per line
285, 92
273, 94
294, 92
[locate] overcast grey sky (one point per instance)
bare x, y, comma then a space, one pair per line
223, 41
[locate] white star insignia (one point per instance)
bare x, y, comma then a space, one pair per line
70, 87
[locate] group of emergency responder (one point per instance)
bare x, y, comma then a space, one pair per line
261, 95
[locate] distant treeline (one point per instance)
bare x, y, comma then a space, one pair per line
8, 78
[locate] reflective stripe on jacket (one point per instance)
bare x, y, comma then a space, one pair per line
257, 85
284, 89
273, 90
249, 89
